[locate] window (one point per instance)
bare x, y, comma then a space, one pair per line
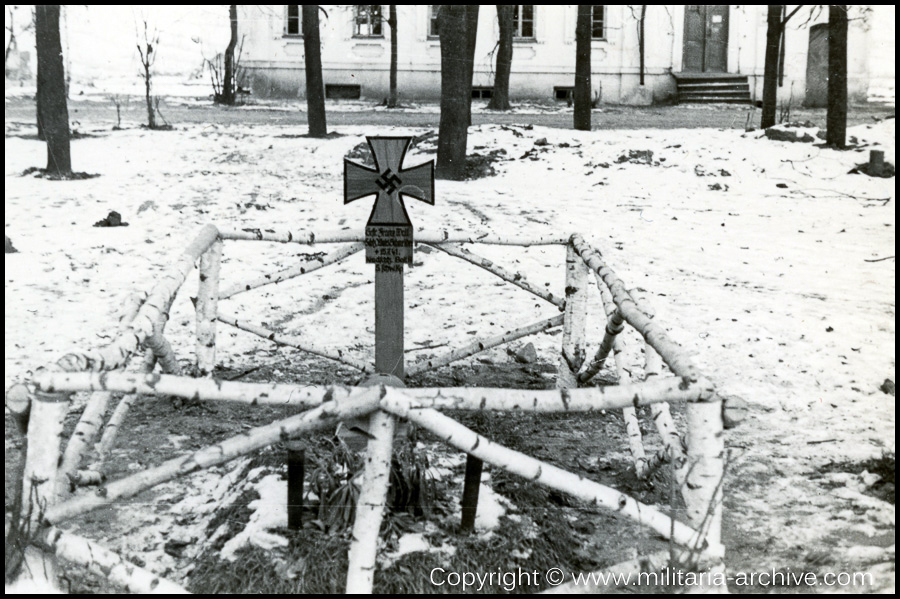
293, 21
433, 10
523, 21
598, 23
368, 21
342, 91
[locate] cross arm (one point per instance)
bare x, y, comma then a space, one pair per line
418, 182
359, 181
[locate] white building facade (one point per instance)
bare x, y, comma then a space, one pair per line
710, 41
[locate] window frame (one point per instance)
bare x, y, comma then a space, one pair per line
431, 19
518, 20
370, 23
603, 21
287, 21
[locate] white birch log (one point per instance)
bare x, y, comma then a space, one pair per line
165, 355
91, 420
464, 439
130, 307
702, 490
41, 487
673, 355
614, 342
207, 308
673, 446
114, 425
370, 505
83, 436
116, 354
483, 345
421, 236
325, 416
18, 403
572, 354
517, 278
615, 324
296, 342
111, 431
102, 561
301, 237
157, 342
586, 399
293, 272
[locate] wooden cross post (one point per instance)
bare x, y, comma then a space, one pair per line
389, 236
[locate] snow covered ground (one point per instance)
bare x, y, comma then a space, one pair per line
758, 256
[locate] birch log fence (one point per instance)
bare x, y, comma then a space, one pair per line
53, 480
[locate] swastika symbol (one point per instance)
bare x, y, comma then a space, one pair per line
388, 181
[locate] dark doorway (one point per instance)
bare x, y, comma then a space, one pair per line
817, 67
705, 38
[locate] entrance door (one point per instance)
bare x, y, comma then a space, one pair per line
817, 67
706, 38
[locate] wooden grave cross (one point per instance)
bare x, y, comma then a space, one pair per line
389, 235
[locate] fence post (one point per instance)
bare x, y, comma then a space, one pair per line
471, 488
575, 314
207, 308
41, 485
705, 472
370, 505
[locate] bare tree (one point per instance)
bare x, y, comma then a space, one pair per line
641, 46
53, 110
505, 20
11, 30
315, 86
228, 81
456, 92
836, 119
776, 23
471, 38
582, 93
147, 46
393, 101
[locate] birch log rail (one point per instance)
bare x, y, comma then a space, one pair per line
295, 342
586, 399
612, 341
292, 272
40, 404
515, 278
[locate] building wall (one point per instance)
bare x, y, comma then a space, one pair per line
859, 50
275, 61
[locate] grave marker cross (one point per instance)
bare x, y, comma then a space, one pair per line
389, 235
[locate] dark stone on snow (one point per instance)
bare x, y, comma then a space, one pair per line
113, 219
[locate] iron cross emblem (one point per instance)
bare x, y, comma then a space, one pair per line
389, 232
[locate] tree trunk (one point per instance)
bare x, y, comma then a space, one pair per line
393, 101
456, 92
228, 86
836, 121
641, 39
315, 87
770, 76
583, 68
500, 97
151, 116
471, 34
37, 98
53, 111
